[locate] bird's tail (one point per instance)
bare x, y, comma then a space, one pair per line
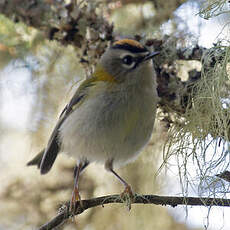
36, 161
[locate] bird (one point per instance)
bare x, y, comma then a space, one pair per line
110, 118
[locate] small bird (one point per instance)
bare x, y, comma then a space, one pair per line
110, 118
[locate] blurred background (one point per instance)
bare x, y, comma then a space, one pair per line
38, 77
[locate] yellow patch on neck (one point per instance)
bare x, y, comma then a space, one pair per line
129, 42
101, 75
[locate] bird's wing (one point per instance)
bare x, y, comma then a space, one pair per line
54, 142
37, 159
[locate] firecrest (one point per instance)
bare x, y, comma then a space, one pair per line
110, 118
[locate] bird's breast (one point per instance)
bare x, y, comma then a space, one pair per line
111, 125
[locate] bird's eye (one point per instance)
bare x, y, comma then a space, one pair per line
128, 60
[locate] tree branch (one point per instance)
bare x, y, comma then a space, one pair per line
138, 199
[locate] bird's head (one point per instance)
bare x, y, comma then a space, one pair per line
125, 60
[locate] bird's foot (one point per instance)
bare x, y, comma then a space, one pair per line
75, 197
128, 196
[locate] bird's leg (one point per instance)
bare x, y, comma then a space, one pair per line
128, 190
85, 163
75, 194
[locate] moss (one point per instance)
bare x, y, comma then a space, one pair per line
198, 140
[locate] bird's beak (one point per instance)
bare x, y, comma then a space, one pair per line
150, 55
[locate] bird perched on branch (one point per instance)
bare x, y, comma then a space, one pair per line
110, 118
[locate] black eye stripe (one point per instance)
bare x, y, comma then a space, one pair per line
131, 62
138, 60
128, 60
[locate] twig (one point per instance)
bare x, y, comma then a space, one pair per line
138, 199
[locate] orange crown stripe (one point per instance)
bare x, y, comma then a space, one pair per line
129, 42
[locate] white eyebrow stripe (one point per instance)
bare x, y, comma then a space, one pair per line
125, 54
134, 54
143, 53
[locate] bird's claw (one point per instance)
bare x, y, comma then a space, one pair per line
75, 197
128, 196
